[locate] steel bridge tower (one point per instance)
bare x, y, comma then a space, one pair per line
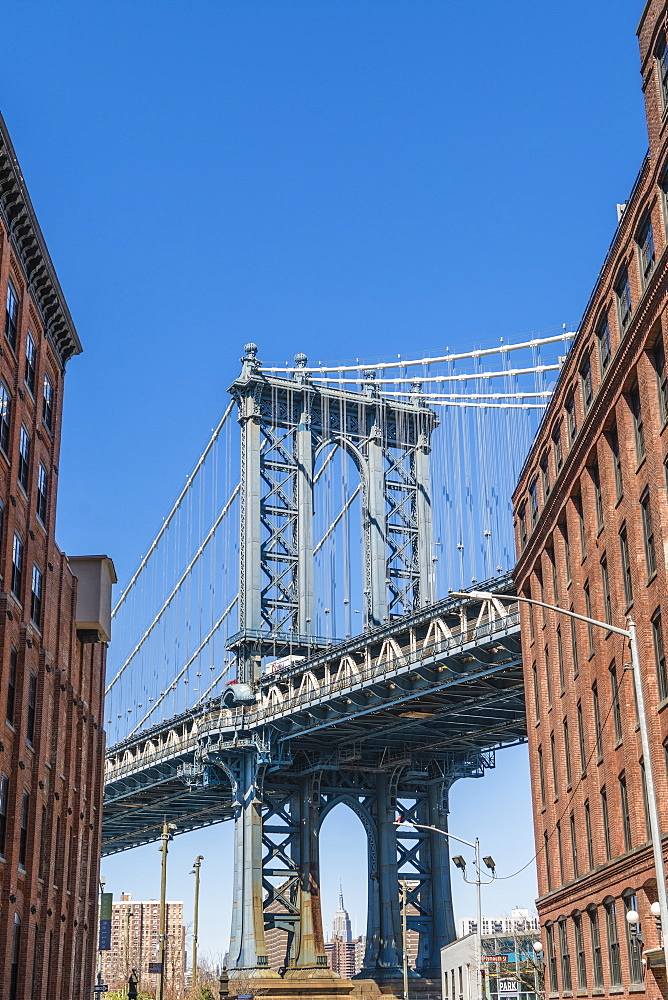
285, 422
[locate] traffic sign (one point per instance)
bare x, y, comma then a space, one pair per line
100, 989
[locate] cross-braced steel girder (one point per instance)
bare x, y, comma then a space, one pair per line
285, 423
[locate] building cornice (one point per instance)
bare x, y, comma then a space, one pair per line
31, 250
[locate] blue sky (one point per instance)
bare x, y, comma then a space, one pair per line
351, 178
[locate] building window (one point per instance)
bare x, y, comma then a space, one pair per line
590, 842
541, 775
597, 720
603, 337
586, 382
614, 957
532, 635
17, 566
556, 447
598, 496
581, 741
646, 251
561, 854
659, 655
553, 570
577, 503
567, 550
32, 706
24, 458
567, 754
606, 824
648, 535
580, 951
555, 776
588, 614
661, 379
42, 492
533, 501
548, 678
626, 815
522, 514
12, 316
566, 984
597, 957
23, 831
11, 686
616, 713
627, 578
638, 426
47, 403
551, 958
16, 954
5, 415
613, 437
634, 941
571, 418
31, 360
662, 68
536, 698
574, 847
605, 585
36, 596
545, 476
623, 295
4, 793
574, 646
560, 661
645, 800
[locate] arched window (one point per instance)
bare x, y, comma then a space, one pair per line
634, 941
614, 957
565, 955
580, 956
5, 416
597, 957
551, 958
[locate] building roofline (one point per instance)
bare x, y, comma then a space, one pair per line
28, 240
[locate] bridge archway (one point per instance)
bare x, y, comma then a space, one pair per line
347, 856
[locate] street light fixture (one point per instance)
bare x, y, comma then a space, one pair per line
196, 867
459, 862
652, 806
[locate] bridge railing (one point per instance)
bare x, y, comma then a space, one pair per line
409, 654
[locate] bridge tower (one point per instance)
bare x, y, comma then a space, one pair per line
285, 423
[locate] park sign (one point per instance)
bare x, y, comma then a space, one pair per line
106, 900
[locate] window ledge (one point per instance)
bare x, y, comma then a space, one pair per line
652, 578
639, 466
598, 992
637, 988
618, 501
660, 707
616, 989
618, 744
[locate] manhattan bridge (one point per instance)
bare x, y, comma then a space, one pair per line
287, 643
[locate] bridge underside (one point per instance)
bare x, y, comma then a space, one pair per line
383, 724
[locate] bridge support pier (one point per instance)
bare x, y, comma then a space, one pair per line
248, 951
308, 958
383, 959
441, 928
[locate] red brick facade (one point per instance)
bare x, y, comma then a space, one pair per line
51, 683
591, 511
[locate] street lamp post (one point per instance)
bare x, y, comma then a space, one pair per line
165, 837
196, 867
461, 864
652, 807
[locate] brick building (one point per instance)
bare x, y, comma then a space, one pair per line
135, 943
52, 639
591, 522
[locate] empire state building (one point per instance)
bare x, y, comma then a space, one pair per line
341, 921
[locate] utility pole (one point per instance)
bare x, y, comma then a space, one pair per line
404, 937
165, 837
196, 867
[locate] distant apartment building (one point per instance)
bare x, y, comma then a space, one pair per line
54, 627
519, 920
135, 944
